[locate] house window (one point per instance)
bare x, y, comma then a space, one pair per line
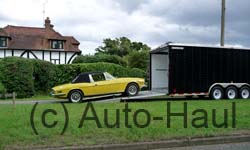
3, 42
55, 44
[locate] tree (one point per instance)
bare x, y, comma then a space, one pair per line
136, 54
110, 47
121, 47
100, 58
138, 59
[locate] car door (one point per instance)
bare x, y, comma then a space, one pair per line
116, 85
88, 89
102, 86
83, 82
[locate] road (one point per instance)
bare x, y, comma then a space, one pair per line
107, 98
229, 146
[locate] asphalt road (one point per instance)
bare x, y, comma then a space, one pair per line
230, 146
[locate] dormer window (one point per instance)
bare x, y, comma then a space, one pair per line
3, 42
56, 44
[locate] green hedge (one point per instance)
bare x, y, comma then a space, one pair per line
1, 88
100, 58
67, 73
17, 76
26, 77
138, 60
44, 75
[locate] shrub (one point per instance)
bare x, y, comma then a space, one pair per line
44, 75
26, 76
135, 72
1, 74
17, 76
138, 60
67, 73
2, 89
100, 58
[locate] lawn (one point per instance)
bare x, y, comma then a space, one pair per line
15, 128
35, 97
39, 97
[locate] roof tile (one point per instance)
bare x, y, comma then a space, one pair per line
36, 38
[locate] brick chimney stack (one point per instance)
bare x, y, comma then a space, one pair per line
47, 24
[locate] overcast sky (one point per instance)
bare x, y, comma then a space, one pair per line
153, 22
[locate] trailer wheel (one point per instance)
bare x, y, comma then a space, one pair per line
245, 92
217, 93
231, 92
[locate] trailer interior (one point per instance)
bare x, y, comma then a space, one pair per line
159, 67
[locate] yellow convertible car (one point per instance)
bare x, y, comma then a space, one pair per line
97, 83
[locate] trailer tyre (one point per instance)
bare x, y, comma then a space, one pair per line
217, 93
245, 92
232, 92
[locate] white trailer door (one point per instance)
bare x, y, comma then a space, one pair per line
159, 71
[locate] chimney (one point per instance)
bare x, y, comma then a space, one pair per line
47, 24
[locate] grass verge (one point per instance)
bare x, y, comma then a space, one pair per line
15, 127
35, 97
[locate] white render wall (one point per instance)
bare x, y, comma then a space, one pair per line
55, 57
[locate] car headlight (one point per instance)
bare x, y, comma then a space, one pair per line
52, 92
141, 81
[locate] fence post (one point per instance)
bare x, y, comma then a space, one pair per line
14, 98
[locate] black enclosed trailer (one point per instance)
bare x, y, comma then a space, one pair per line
188, 70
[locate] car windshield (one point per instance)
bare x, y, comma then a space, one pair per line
108, 76
74, 80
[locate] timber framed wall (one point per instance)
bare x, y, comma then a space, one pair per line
53, 56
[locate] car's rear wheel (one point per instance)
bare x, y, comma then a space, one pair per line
132, 89
75, 96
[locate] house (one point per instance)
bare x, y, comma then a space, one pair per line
38, 43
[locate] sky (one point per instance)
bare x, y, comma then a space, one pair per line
153, 22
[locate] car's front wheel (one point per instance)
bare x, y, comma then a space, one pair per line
75, 96
132, 89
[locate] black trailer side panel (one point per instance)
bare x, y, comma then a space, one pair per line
195, 69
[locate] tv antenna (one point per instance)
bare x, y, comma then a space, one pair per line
44, 8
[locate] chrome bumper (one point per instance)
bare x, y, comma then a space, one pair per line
57, 95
